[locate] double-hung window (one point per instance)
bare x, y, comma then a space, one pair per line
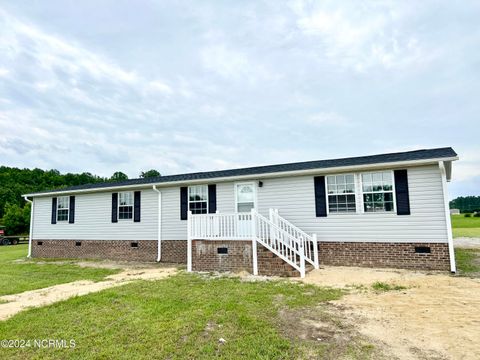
341, 193
377, 188
63, 204
125, 205
198, 199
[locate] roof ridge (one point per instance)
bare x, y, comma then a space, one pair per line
410, 155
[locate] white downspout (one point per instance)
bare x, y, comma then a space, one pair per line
159, 229
451, 251
31, 227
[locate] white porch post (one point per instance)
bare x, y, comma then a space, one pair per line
189, 241
254, 242
315, 251
302, 261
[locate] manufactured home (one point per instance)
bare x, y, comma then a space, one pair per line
387, 210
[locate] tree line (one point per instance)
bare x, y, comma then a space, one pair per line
15, 212
466, 204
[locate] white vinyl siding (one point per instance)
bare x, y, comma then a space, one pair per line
175, 229
292, 196
425, 224
93, 219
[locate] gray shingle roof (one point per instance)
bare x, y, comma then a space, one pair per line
426, 154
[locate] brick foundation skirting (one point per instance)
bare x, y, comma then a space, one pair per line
385, 254
209, 255
206, 257
173, 251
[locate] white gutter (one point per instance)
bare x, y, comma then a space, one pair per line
31, 227
451, 251
159, 235
329, 170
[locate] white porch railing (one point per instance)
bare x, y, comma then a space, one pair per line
285, 240
310, 244
218, 226
278, 241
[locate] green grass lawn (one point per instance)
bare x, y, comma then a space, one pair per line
18, 274
468, 261
183, 317
465, 226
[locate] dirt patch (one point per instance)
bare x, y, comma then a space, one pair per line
42, 297
329, 331
435, 317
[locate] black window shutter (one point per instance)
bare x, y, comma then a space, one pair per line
71, 210
212, 199
401, 192
183, 203
136, 206
114, 207
54, 210
320, 200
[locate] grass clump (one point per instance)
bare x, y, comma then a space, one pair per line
382, 286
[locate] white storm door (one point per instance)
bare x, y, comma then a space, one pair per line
245, 201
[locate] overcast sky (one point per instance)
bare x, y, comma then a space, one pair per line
184, 86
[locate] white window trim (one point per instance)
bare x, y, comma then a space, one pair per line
67, 208
255, 199
362, 208
118, 205
342, 213
197, 201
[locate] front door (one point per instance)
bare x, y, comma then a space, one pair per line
245, 201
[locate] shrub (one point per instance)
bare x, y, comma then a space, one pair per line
477, 214
468, 215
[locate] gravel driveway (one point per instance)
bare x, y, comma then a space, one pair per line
466, 243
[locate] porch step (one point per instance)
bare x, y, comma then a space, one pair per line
270, 264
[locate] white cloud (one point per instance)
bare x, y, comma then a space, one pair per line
328, 118
234, 64
361, 37
160, 87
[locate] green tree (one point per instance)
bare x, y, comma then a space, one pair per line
149, 173
466, 203
119, 176
16, 219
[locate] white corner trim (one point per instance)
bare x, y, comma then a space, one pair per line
30, 235
451, 251
159, 228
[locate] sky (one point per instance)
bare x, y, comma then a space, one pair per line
185, 86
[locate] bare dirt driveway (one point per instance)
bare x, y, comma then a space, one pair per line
436, 316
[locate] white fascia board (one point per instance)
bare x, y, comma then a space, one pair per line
334, 169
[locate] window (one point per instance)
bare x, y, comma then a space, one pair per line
341, 193
377, 191
198, 199
63, 203
125, 205
245, 197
